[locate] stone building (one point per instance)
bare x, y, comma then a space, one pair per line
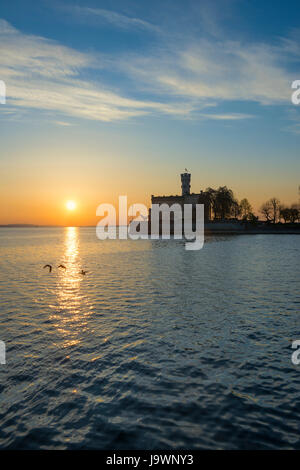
186, 197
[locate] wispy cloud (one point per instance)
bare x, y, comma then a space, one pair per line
181, 80
219, 71
42, 74
62, 123
226, 117
116, 19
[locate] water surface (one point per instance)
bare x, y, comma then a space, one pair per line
155, 348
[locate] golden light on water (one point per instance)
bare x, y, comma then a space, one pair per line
68, 293
71, 205
73, 306
70, 277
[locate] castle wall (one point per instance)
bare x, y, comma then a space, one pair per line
193, 199
185, 198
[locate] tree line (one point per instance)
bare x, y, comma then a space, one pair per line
224, 205
274, 211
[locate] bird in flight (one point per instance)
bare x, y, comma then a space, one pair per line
62, 266
83, 272
48, 266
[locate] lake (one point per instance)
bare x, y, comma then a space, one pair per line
155, 347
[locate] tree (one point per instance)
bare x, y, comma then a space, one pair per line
253, 219
296, 212
224, 202
290, 214
294, 215
236, 210
271, 210
275, 205
266, 210
245, 209
211, 194
285, 214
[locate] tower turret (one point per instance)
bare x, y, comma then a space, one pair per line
186, 183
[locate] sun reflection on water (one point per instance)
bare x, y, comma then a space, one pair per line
73, 304
70, 276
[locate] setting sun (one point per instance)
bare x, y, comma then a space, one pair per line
71, 205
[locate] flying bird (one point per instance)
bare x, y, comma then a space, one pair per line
83, 272
48, 266
62, 266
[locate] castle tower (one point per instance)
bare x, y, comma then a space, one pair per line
186, 183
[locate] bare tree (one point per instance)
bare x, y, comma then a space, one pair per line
275, 205
266, 210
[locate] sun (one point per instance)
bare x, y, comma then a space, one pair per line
71, 205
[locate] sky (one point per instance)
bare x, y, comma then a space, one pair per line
117, 97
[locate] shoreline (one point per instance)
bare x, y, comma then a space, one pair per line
252, 232
210, 228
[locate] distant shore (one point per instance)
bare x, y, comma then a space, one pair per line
210, 228
249, 229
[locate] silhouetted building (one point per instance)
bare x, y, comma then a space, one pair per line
186, 197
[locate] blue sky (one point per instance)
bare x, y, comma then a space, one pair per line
140, 90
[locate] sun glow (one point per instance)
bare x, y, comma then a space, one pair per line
71, 205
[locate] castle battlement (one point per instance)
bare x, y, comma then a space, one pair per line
186, 197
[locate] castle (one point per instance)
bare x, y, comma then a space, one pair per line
186, 197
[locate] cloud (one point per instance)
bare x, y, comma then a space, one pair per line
226, 117
42, 74
181, 79
62, 123
26, 55
218, 71
118, 20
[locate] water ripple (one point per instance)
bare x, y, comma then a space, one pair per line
155, 348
